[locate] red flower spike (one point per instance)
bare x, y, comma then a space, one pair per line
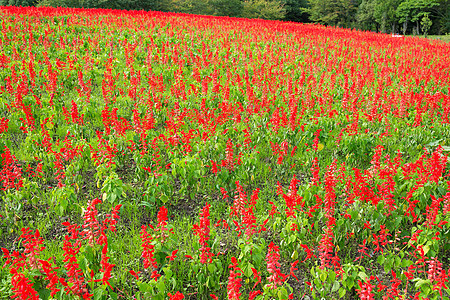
234, 283
91, 225
276, 278
22, 287
173, 256
134, 274
148, 248
176, 296
32, 246
293, 268
201, 229
253, 295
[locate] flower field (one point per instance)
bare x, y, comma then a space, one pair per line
149, 155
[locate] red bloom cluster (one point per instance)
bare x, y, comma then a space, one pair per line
202, 230
10, 172
148, 249
234, 280
3, 125
275, 278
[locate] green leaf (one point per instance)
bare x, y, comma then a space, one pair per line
294, 255
421, 282
313, 271
342, 292
335, 286
406, 263
164, 199
98, 293
282, 294
381, 259
174, 283
331, 276
161, 285
397, 261
362, 275
212, 268
113, 295
44, 294
63, 206
317, 281
351, 282
248, 270
323, 276
144, 287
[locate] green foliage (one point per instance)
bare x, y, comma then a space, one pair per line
22, 3
295, 12
263, 9
412, 9
426, 24
334, 12
199, 7
385, 14
230, 8
365, 15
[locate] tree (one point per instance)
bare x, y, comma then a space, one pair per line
426, 24
230, 8
199, 7
295, 12
333, 12
385, 14
263, 9
365, 15
441, 15
413, 10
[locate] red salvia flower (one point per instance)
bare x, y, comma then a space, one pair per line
10, 173
229, 161
3, 125
253, 295
276, 278
135, 275
441, 279
224, 193
52, 277
173, 256
22, 287
202, 231
74, 273
434, 269
309, 252
365, 290
106, 267
381, 239
91, 225
315, 172
234, 281
32, 243
362, 250
162, 223
293, 268
148, 249
176, 296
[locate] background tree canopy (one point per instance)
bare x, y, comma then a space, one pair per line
389, 16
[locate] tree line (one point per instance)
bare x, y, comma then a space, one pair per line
415, 17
